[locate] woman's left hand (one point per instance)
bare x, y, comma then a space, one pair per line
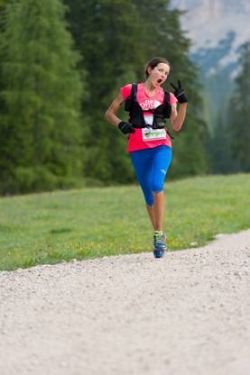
179, 92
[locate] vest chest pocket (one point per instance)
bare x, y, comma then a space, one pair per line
149, 134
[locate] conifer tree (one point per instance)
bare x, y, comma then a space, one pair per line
240, 113
41, 91
219, 148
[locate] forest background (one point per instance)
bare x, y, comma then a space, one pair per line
61, 64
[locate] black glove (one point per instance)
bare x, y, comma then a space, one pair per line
179, 92
126, 127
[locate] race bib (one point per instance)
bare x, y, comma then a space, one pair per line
149, 134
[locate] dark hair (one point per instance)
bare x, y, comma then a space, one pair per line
154, 62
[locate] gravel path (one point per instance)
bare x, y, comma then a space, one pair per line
188, 313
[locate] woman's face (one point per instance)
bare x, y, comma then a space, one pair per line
158, 74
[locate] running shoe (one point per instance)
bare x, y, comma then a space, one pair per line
160, 246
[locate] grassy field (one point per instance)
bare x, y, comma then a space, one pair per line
93, 222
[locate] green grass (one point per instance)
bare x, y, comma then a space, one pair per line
93, 222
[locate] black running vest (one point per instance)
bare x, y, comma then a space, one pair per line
160, 114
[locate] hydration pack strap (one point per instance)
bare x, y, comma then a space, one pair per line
133, 91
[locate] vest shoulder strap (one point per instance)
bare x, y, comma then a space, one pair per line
131, 98
166, 97
133, 91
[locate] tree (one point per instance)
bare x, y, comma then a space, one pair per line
219, 148
239, 113
41, 91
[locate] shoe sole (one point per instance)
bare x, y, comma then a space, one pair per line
158, 254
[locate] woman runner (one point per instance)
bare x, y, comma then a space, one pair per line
149, 142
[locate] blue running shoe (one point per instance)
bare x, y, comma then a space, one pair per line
159, 244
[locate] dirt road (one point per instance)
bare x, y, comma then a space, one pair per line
188, 313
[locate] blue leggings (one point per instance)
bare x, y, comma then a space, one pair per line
151, 166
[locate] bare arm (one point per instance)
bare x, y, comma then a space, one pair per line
111, 112
178, 116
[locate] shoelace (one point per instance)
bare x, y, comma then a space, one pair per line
160, 239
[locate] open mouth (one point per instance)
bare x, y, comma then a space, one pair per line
159, 80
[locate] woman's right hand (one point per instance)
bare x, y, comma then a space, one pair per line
126, 127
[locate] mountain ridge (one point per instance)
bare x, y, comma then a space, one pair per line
217, 29
208, 21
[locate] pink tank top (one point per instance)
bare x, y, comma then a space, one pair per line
147, 137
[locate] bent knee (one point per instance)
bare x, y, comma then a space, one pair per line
149, 199
157, 187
